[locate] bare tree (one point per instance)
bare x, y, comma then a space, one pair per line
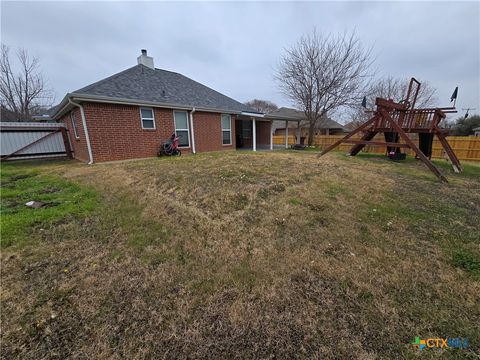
25, 92
263, 106
396, 89
392, 88
320, 74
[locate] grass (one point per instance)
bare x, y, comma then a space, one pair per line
241, 255
22, 183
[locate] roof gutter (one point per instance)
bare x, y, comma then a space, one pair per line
247, 113
110, 100
85, 129
61, 107
280, 117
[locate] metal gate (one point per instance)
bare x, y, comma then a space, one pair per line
32, 140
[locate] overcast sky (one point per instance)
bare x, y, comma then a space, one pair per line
234, 47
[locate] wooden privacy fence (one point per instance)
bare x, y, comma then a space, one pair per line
30, 140
465, 147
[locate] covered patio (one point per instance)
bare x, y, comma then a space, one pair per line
255, 131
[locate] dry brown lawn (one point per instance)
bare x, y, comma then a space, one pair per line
244, 255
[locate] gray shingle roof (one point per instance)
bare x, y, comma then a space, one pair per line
142, 83
289, 113
326, 123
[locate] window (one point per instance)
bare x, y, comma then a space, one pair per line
246, 129
74, 125
148, 121
226, 130
181, 128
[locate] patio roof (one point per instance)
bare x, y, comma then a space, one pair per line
267, 117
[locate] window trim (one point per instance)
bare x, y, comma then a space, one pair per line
229, 130
73, 122
152, 118
187, 129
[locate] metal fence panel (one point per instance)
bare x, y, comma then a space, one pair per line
32, 140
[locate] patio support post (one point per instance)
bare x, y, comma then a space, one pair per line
271, 135
286, 134
254, 135
298, 133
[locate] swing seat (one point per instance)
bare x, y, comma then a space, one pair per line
396, 156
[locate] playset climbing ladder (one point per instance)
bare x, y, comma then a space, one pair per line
396, 120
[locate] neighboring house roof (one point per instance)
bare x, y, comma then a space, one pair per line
47, 115
143, 84
52, 110
10, 116
352, 125
288, 113
7, 115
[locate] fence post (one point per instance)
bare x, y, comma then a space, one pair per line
66, 142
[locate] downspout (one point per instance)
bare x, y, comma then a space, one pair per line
85, 130
193, 132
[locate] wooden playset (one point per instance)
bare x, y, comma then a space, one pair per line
397, 119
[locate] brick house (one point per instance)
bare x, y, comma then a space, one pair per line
129, 114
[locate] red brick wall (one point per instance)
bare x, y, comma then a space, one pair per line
116, 132
79, 146
208, 132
